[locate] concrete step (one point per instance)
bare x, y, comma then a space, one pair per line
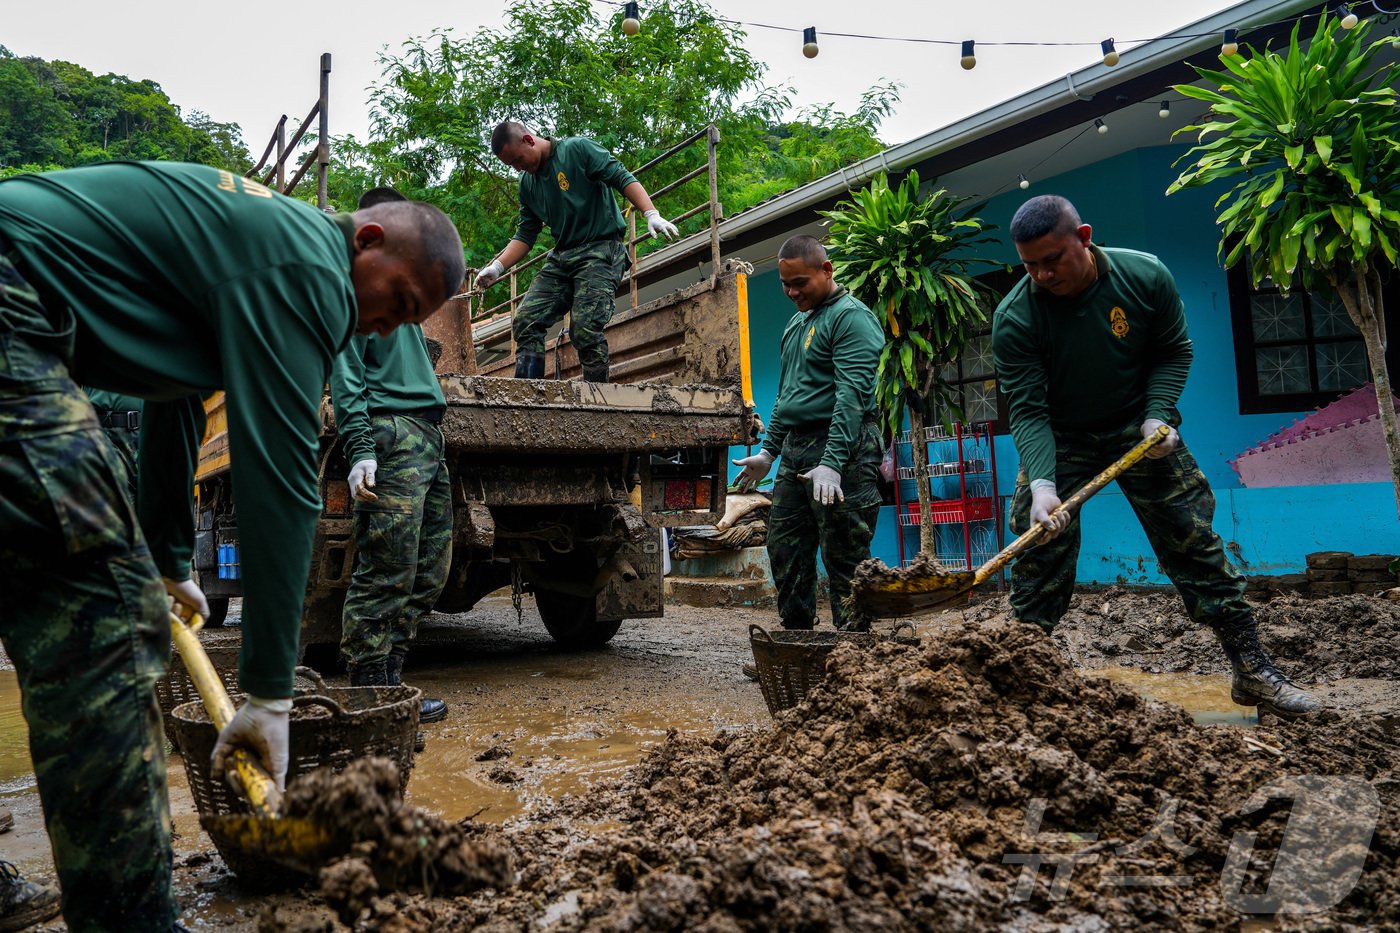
712, 592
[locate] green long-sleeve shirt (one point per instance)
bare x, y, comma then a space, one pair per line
572, 193
1114, 355
184, 279
827, 375
390, 375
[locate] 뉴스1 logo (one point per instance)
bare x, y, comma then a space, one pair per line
1118, 322
563, 181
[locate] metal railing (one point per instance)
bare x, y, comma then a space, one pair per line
320, 156
479, 312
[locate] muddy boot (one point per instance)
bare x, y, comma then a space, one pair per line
595, 373
529, 365
373, 674
1257, 682
749, 671
431, 709
24, 903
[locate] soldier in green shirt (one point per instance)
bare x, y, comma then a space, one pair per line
568, 183
388, 405
823, 427
166, 281
1091, 351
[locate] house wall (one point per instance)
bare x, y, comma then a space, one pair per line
1268, 530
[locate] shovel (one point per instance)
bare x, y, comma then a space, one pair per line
892, 593
296, 843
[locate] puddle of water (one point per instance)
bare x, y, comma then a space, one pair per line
16, 770
1205, 696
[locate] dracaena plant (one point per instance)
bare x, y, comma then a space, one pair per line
909, 258
1312, 136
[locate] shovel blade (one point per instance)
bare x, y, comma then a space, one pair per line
289, 841
902, 594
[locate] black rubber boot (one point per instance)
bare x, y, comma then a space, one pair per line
24, 903
595, 374
529, 365
431, 709
374, 674
1256, 681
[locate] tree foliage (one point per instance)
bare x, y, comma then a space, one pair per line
55, 114
562, 69
910, 259
1316, 136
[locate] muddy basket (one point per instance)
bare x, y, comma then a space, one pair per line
330, 727
791, 661
176, 688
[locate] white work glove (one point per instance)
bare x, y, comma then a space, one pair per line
361, 479
1044, 502
826, 485
186, 598
658, 226
490, 275
755, 468
260, 727
1166, 446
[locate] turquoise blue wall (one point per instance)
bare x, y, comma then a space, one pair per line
1268, 530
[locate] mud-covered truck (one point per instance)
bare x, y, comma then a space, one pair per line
559, 487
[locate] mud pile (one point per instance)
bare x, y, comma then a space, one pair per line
976, 782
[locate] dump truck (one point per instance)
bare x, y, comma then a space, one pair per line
560, 487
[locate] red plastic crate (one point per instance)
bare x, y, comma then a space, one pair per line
952, 511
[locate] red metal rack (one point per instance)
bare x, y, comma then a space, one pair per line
962, 478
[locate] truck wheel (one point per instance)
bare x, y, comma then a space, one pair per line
218, 611
573, 620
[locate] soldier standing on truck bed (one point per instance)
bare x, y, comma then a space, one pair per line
567, 183
823, 427
166, 281
388, 406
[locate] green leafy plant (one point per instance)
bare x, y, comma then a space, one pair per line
1315, 132
909, 258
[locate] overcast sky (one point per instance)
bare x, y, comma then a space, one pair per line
249, 69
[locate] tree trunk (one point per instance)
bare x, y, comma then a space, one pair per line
1365, 305
919, 446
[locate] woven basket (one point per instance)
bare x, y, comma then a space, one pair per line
176, 688
792, 661
330, 727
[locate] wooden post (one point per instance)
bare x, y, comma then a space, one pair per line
632, 253
715, 208
323, 145
282, 154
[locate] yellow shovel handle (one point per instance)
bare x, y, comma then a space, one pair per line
256, 785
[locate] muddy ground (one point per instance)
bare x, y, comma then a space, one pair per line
983, 780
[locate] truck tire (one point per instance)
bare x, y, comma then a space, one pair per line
573, 621
218, 611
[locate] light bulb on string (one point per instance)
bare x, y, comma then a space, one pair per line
1348, 18
969, 58
1110, 55
1231, 45
809, 42
1023, 181
1165, 110
631, 19
1101, 126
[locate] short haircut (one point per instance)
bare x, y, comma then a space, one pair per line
806, 248
1041, 215
380, 195
432, 239
505, 133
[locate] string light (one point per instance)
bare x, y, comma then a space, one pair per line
969, 59
809, 42
1110, 56
1101, 126
1023, 181
1349, 19
1165, 110
631, 19
1231, 45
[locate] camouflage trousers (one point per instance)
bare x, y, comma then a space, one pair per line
83, 616
403, 541
798, 526
581, 280
1175, 505
125, 443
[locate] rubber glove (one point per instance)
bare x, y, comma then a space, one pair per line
1044, 501
186, 598
826, 485
490, 275
361, 479
1163, 448
658, 226
755, 468
260, 726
